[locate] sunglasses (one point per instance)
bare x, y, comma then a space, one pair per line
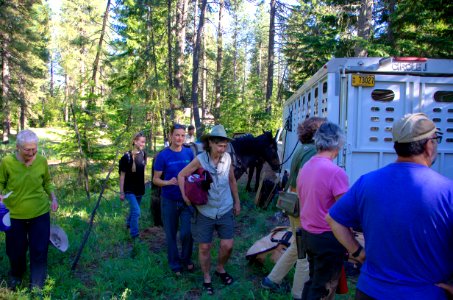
179, 126
438, 137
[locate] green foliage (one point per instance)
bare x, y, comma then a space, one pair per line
423, 28
317, 31
24, 34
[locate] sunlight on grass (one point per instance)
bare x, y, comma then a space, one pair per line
51, 134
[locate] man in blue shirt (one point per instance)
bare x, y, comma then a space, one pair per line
406, 212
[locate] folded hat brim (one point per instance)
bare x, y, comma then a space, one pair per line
58, 238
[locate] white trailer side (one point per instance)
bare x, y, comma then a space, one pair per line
365, 96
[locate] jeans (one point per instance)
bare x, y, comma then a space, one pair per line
32, 234
175, 213
134, 213
325, 257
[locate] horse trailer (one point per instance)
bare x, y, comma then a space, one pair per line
365, 96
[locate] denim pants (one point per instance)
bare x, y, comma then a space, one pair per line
134, 213
32, 234
325, 256
175, 213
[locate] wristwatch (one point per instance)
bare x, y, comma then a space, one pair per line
357, 252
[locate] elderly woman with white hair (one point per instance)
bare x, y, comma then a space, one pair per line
26, 174
320, 183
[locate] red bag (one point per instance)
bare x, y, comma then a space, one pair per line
342, 287
197, 185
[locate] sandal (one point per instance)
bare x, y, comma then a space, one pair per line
207, 286
225, 278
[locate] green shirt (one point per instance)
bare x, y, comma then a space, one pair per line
303, 154
31, 186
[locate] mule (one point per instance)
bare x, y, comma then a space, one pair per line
250, 153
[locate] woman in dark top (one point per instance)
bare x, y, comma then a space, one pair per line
132, 181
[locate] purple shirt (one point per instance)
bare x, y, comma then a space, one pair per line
318, 183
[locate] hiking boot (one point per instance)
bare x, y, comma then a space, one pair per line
270, 285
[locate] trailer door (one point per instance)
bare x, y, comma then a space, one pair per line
436, 94
372, 110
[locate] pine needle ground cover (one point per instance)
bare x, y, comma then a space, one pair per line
114, 267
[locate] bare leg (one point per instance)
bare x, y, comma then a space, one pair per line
226, 247
204, 256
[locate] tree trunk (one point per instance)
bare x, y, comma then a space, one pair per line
259, 60
156, 76
364, 27
83, 163
98, 54
181, 19
51, 76
391, 11
270, 57
196, 69
170, 33
235, 40
23, 102
66, 98
5, 88
219, 63
204, 80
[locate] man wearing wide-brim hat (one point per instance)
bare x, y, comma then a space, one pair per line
223, 204
406, 211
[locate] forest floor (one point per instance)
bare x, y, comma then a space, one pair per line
113, 267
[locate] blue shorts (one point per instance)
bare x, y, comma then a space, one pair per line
203, 227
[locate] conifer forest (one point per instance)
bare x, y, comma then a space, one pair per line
89, 74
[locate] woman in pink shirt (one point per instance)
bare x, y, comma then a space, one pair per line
320, 183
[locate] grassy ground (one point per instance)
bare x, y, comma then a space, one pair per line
112, 267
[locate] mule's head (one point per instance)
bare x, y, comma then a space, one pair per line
269, 150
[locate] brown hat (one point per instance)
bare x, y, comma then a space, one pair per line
412, 128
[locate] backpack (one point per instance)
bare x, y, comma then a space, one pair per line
271, 246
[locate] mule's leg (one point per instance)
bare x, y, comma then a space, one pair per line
249, 179
259, 168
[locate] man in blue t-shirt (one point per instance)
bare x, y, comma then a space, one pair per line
406, 212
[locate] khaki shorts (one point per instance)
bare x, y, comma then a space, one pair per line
203, 227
